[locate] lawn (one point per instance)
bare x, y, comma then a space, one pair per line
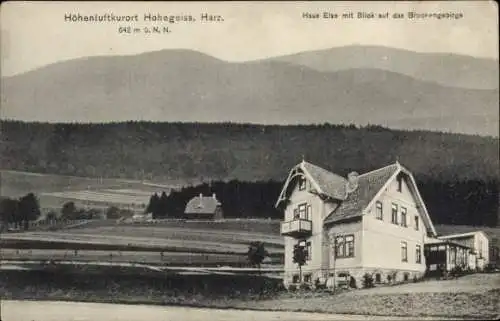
148, 237
462, 300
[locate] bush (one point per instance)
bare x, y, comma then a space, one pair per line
352, 283
305, 287
367, 281
292, 288
394, 276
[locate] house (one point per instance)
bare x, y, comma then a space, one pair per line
478, 241
204, 207
373, 223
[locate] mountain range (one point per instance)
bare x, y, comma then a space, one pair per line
351, 85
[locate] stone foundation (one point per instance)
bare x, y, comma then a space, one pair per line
354, 276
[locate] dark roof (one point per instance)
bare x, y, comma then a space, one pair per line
369, 184
202, 205
331, 184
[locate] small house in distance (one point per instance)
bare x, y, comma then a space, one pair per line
204, 208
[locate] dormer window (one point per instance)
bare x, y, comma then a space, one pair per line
302, 183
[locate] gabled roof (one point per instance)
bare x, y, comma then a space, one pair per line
463, 235
202, 205
369, 184
323, 182
330, 184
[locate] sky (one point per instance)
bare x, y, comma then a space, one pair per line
34, 34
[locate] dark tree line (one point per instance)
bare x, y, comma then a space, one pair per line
458, 174
247, 152
19, 211
460, 203
238, 199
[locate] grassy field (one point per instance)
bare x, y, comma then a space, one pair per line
181, 244
54, 190
168, 258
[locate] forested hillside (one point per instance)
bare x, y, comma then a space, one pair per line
458, 174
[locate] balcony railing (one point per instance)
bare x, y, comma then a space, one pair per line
296, 228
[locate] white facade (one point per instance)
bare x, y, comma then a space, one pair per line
364, 242
478, 241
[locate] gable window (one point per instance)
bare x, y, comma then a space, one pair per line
416, 223
418, 254
344, 246
404, 252
394, 216
400, 184
379, 214
403, 217
302, 183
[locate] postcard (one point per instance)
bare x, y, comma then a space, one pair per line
270, 160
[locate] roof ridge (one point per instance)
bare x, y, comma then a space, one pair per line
381, 168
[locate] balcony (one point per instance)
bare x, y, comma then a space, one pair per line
296, 228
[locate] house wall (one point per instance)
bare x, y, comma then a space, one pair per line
382, 240
342, 265
312, 266
479, 243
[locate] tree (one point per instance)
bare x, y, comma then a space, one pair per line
51, 216
299, 257
9, 210
29, 209
153, 204
257, 253
113, 212
162, 206
68, 210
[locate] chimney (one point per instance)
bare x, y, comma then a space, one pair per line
352, 182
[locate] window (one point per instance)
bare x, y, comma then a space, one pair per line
403, 217
400, 184
379, 212
303, 211
344, 246
404, 252
295, 278
416, 223
394, 218
308, 251
307, 278
418, 254
302, 183
378, 278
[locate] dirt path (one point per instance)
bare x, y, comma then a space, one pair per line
77, 311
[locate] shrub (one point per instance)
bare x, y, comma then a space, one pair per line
394, 276
305, 287
367, 281
292, 288
352, 283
